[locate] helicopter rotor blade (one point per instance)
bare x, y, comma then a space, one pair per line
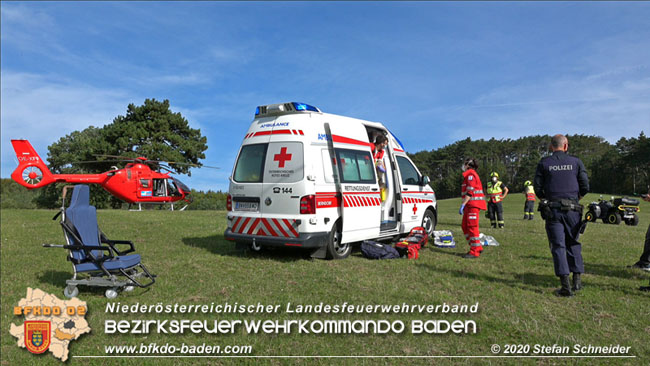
96, 161
117, 157
193, 165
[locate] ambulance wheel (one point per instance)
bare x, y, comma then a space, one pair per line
614, 218
589, 216
70, 291
429, 222
336, 249
111, 293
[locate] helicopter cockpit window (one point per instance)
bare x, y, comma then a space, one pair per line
181, 186
144, 183
171, 189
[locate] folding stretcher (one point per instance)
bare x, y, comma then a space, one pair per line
96, 260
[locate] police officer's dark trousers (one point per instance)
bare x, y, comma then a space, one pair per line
645, 257
495, 213
562, 229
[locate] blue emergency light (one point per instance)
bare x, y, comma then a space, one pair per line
304, 107
272, 109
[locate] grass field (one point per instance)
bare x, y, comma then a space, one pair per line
512, 283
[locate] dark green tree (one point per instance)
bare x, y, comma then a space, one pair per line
151, 130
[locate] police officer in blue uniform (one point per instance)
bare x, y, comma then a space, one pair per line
560, 182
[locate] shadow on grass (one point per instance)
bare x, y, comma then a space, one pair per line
599, 269
526, 281
56, 278
445, 251
216, 244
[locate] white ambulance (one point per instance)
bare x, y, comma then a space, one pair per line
308, 179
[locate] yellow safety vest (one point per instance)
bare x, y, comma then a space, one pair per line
494, 191
530, 193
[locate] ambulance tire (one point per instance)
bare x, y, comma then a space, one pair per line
336, 250
429, 222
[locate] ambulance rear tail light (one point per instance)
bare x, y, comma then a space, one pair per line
308, 205
229, 202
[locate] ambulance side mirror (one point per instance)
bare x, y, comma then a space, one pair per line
425, 180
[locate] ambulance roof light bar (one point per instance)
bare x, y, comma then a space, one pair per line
283, 108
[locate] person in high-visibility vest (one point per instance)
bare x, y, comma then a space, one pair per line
529, 206
496, 192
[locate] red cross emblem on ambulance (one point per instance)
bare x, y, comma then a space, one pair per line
282, 157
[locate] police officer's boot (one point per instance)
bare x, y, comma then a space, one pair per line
565, 291
577, 283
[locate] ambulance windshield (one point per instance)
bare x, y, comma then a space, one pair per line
275, 162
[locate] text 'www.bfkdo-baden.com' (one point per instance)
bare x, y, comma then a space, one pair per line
177, 349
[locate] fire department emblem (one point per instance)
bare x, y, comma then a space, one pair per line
37, 335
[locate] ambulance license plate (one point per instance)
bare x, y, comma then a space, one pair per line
246, 206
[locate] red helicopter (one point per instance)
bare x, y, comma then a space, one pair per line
135, 183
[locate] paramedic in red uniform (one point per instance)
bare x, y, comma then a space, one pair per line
473, 202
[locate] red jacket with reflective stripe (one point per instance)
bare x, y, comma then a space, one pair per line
472, 187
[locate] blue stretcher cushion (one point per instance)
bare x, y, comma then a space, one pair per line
114, 264
82, 217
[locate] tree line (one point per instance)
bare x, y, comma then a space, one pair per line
13, 195
154, 131
622, 168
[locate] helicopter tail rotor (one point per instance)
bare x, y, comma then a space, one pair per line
31, 171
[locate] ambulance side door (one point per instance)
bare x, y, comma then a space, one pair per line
360, 192
414, 198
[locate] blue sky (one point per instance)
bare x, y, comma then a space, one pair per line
433, 72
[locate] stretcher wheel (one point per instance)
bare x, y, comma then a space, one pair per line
70, 291
111, 293
589, 216
129, 288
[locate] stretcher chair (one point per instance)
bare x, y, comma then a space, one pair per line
96, 260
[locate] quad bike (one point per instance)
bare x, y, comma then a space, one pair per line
614, 210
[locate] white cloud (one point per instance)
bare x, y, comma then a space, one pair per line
44, 108
608, 98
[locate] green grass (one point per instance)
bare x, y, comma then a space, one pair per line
512, 283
